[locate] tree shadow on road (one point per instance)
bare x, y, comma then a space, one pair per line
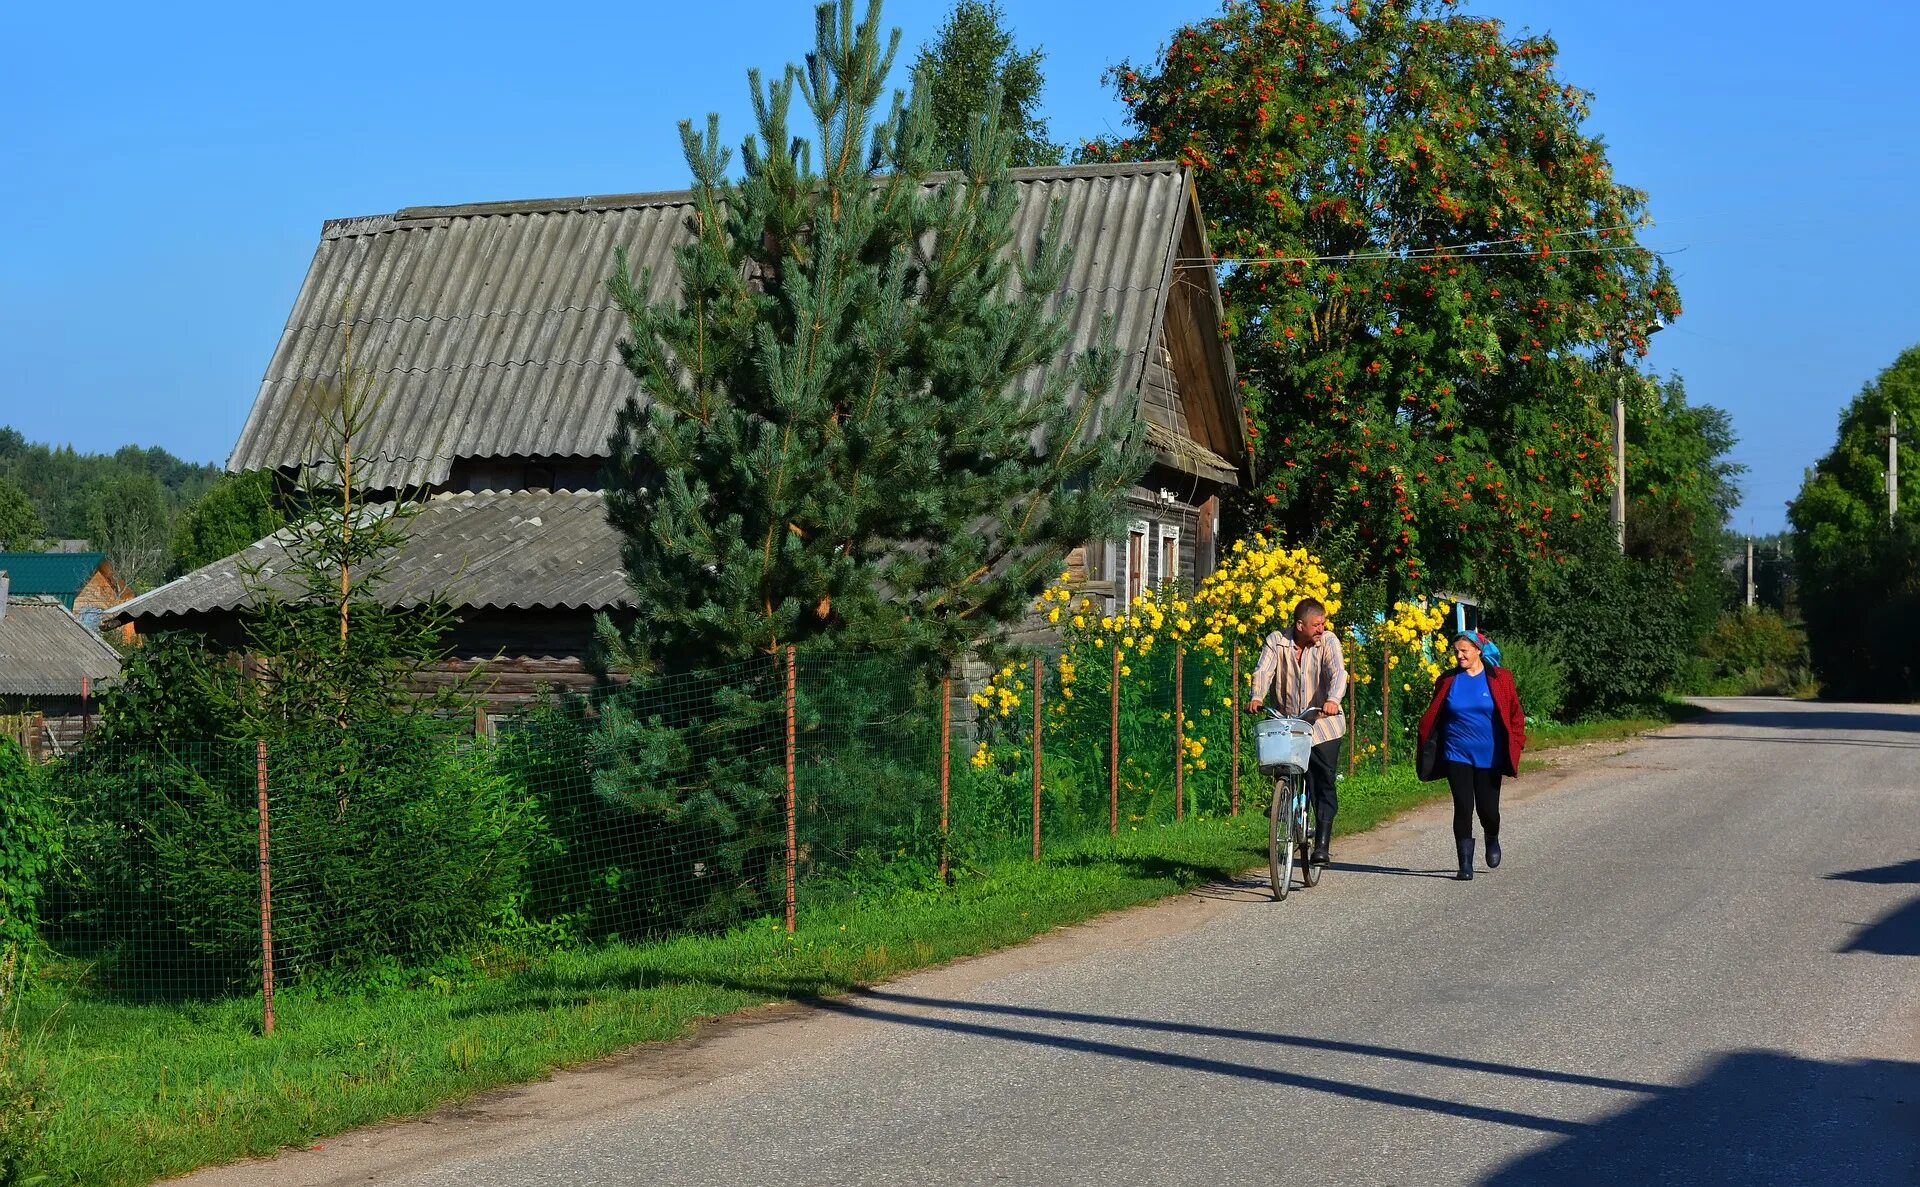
1754, 1117
1354, 867
1897, 933
1826, 719
1898, 874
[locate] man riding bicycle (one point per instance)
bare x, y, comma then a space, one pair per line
1299, 670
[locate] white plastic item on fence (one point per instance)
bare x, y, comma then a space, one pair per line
1283, 743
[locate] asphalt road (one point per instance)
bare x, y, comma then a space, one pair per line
1700, 963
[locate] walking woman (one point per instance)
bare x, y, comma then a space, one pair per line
1471, 735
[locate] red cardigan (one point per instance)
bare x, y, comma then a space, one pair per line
1509, 722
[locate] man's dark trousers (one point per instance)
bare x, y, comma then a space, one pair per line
1324, 788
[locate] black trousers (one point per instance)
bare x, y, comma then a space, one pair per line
1474, 788
1323, 788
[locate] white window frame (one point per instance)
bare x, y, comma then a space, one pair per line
1169, 533
1123, 592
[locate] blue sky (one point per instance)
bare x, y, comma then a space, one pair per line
167, 168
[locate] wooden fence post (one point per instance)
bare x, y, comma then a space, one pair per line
1113, 752
1036, 758
266, 893
1235, 710
946, 762
1179, 732
793, 833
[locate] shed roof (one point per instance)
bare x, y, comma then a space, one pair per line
50, 574
45, 651
519, 550
491, 331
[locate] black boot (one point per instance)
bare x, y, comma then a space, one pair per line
1465, 845
1493, 851
1322, 834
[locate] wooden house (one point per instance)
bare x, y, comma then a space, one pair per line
51, 667
490, 328
83, 582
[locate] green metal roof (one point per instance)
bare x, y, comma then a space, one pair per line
49, 574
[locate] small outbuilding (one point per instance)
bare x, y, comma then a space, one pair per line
51, 668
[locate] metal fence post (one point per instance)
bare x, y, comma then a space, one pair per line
1234, 708
1036, 757
793, 837
946, 763
1179, 732
266, 893
1113, 752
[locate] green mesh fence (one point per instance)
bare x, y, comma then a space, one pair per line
686, 803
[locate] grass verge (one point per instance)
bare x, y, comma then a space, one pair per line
150, 1091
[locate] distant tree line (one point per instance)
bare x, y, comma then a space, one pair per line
153, 514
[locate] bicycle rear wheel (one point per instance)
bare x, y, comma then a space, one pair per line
1303, 843
1280, 837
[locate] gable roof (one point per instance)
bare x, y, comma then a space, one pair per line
50, 574
519, 550
45, 650
492, 331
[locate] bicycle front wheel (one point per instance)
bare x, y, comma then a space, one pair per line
1280, 837
1309, 873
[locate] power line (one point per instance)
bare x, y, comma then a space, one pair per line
1436, 254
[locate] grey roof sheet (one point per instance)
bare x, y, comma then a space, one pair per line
45, 650
491, 329
486, 550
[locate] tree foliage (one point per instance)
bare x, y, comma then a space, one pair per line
971, 58
856, 420
235, 512
61, 482
127, 519
1858, 575
19, 523
1433, 268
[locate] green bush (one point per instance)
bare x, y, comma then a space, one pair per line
389, 847
1539, 674
29, 845
1619, 625
1753, 652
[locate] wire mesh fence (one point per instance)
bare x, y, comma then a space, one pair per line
686, 803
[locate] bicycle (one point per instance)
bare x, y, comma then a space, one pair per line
1285, 745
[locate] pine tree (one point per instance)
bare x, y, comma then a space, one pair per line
862, 430
971, 55
860, 422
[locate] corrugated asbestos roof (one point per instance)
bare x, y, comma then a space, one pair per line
518, 550
61, 574
492, 331
45, 650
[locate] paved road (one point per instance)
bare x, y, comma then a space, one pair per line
1700, 963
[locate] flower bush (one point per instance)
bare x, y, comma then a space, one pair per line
1202, 634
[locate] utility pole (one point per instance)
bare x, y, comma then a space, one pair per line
1893, 468
1619, 449
1749, 572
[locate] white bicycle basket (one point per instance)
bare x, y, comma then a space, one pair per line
1283, 743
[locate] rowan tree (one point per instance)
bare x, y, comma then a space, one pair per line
1430, 270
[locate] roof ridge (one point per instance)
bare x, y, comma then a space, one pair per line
588, 203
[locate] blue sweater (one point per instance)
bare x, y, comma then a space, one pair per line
1469, 721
